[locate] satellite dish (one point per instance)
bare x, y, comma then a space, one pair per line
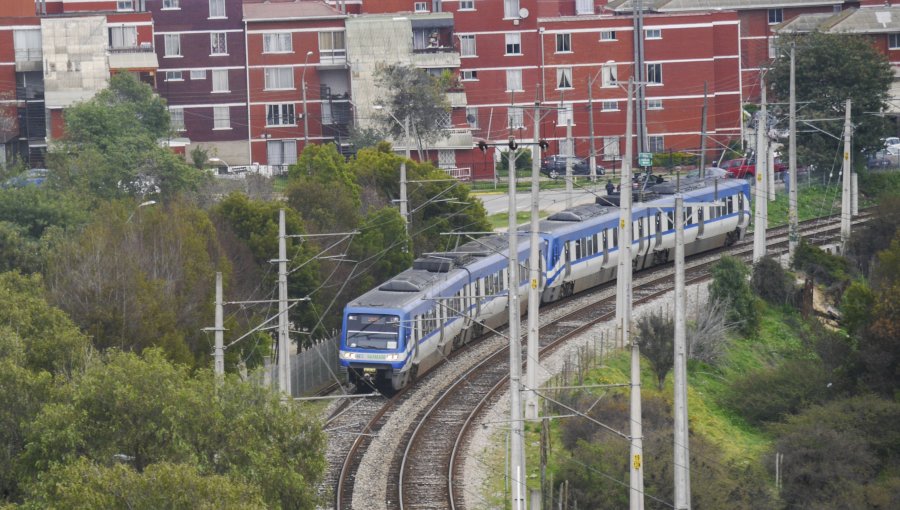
523, 13
470, 118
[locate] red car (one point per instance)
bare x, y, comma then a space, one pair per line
744, 167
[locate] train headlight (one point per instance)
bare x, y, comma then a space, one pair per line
348, 355
394, 357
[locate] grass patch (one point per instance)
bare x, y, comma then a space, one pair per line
876, 184
501, 220
812, 202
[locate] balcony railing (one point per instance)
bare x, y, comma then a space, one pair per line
29, 54
132, 49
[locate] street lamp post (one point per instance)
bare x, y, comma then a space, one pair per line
303, 87
403, 201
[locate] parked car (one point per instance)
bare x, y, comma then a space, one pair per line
555, 165
891, 140
882, 159
746, 167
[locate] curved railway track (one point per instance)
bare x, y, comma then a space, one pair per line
422, 464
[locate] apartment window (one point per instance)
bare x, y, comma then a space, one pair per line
510, 8
776, 16
516, 118
472, 117
332, 47
216, 8
281, 152
172, 45
176, 118
608, 35
514, 79
467, 46
564, 115
652, 33
173, 76
609, 106
277, 43
563, 43
654, 73
609, 75
280, 114
421, 6
218, 44
220, 80
656, 143
171, 4
772, 47
467, 5
468, 75
584, 6
28, 44
654, 104
610, 148
894, 41
198, 74
279, 78
564, 78
221, 117
125, 5
513, 44
123, 37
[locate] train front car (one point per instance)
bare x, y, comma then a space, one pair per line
374, 346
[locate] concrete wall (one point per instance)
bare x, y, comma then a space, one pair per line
75, 61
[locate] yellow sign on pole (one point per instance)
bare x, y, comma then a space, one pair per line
637, 461
533, 283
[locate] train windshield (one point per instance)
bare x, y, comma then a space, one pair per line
369, 331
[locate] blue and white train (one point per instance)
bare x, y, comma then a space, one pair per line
402, 328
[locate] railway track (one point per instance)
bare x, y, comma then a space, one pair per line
407, 455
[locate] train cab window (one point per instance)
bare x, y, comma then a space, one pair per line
671, 220
577, 249
689, 216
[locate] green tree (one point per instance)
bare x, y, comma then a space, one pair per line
323, 190
523, 161
876, 234
141, 277
879, 348
379, 249
841, 455
111, 147
146, 411
255, 223
412, 93
87, 485
730, 286
657, 340
823, 64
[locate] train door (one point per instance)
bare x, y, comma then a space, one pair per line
700, 216
605, 246
740, 208
659, 227
568, 256
640, 234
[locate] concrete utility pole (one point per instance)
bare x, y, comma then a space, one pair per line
846, 212
219, 329
854, 194
703, 130
303, 87
793, 218
570, 155
517, 438
682, 446
593, 160
759, 191
640, 76
771, 146
404, 200
284, 356
534, 278
623, 315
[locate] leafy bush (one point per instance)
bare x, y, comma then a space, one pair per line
825, 268
772, 393
730, 286
671, 159
772, 283
841, 455
657, 337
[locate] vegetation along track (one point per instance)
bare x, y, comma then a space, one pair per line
423, 461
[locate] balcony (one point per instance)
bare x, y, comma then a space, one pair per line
455, 138
133, 57
29, 59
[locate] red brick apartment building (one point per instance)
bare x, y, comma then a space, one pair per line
256, 80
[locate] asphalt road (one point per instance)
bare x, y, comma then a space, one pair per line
549, 200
